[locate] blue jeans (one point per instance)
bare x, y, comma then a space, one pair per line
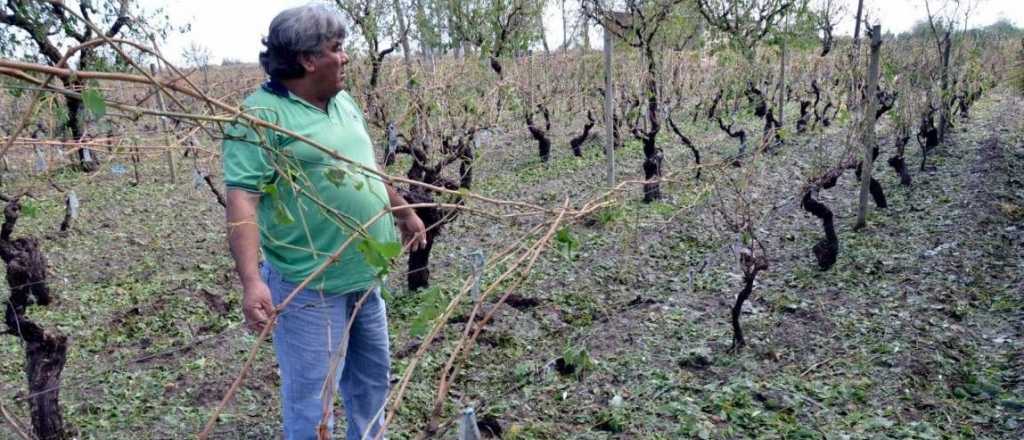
308, 331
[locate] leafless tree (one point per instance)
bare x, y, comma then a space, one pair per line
943, 19
747, 22
638, 26
827, 15
48, 25
199, 56
497, 27
375, 21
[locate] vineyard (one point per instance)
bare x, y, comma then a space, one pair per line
750, 229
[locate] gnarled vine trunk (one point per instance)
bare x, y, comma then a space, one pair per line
825, 250
45, 350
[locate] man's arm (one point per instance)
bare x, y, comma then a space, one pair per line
409, 224
244, 241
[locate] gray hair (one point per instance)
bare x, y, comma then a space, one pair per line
298, 31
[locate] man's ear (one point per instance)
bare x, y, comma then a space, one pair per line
307, 63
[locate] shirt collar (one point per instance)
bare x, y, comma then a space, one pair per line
276, 87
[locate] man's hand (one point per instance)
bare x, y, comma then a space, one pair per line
412, 230
256, 305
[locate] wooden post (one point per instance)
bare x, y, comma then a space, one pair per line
467, 425
868, 136
782, 80
477, 261
609, 93
163, 127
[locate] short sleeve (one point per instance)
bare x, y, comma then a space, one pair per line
246, 162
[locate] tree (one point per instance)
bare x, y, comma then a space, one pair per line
498, 28
432, 25
639, 27
827, 16
747, 22
942, 21
50, 25
375, 22
45, 350
199, 56
456, 140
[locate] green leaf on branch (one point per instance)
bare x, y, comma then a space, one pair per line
379, 255
578, 358
432, 303
336, 176
93, 100
281, 215
567, 244
29, 209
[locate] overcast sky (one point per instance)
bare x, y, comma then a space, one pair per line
233, 28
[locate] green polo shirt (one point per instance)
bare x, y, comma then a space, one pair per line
310, 203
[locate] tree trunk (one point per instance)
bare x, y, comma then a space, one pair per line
851, 101
825, 250
585, 30
543, 143
751, 267
45, 358
86, 157
652, 154
898, 162
576, 143
419, 260
403, 32
738, 341
856, 24
565, 28
543, 35
944, 120
45, 351
419, 264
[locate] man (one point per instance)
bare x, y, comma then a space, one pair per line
299, 205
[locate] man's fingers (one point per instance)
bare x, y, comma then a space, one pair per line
414, 234
415, 241
255, 326
259, 317
419, 241
267, 307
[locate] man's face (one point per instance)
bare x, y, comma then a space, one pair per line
328, 66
